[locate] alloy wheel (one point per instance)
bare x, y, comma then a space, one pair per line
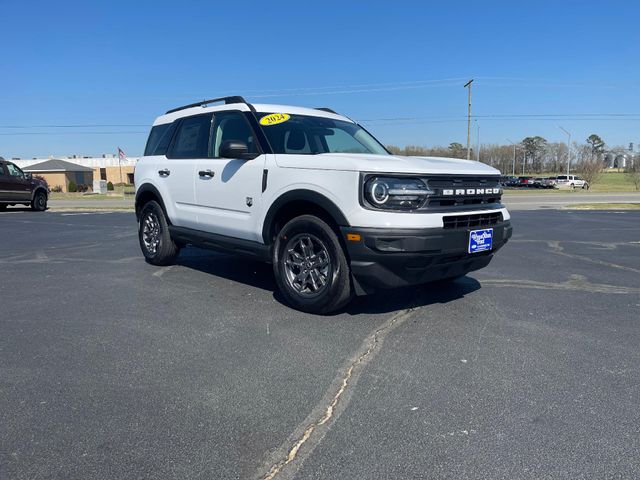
307, 265
151, 233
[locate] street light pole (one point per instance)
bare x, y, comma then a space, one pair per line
513, 170
478, 152
568, 149
468, 85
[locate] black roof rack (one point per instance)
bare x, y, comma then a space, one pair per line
226, 100
326, 109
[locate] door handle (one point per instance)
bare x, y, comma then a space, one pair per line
206, 173
164, 172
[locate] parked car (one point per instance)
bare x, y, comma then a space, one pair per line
536, 182
509, 181
571, 181
545, 182
314, 194
20, 188
525, 181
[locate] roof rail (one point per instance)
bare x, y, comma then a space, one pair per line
326, 109
226, 100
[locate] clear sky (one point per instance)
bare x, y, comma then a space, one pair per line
122, 63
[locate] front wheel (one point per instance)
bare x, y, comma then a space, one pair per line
153, 234
39, 202
310, 266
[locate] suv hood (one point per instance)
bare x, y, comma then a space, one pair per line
362, 162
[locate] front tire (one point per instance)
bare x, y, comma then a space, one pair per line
39, 202
310, 266
153, 234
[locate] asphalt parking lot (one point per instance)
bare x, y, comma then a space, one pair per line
112, 368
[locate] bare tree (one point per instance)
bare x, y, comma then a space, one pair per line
590, 163
633, 171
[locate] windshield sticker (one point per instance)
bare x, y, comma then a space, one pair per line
274, 119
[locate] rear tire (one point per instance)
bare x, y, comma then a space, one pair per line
153, 234
39, 202
310, 266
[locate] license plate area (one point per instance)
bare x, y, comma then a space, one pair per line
480, 240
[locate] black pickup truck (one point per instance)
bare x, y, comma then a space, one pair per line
20, 188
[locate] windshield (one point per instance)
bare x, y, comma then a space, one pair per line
307, 135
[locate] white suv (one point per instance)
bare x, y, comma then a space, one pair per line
571, 181
313, 193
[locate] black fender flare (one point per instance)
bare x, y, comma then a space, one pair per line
149, 188
301, 195
38, 189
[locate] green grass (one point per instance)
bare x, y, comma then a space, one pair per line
604, 206
614, 182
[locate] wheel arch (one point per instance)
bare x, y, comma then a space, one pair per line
299, 202
145, 193
39, 188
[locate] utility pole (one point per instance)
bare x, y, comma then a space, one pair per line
478, 146
513, 170
568, 149
468, 85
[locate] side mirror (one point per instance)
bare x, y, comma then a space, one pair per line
236, 149
28, 176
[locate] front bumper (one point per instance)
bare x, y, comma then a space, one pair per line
390, 258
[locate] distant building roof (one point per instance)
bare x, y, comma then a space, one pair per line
56, 165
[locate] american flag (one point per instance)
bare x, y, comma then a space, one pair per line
121, 154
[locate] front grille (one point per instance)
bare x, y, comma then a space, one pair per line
449, 191
472, 221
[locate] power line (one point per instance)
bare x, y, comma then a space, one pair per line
436, 118
74, 133
77, 126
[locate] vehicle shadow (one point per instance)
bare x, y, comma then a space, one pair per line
386, 301
260, 275
17, 209
232, 267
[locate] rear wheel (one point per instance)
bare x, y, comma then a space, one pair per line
310, 266
153, 234
39, 202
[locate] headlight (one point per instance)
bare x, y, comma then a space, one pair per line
390, 193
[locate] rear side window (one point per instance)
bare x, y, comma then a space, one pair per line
159, 139
192, 137
2, 171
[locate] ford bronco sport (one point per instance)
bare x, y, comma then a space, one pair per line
316, 195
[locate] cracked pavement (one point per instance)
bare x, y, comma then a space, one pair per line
112, 368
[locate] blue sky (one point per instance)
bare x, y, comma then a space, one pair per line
123, 63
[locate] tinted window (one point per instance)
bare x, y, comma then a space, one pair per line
303, 134
231, 126
159, 139
341, 141
192, 138
2, 171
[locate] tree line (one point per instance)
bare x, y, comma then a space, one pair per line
533, 155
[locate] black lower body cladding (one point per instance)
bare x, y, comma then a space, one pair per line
390, 258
